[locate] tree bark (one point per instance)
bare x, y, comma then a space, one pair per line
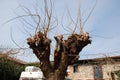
66, 52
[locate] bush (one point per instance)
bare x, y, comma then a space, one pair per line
118, 74
9, 70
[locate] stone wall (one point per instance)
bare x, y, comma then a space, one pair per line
109, 69
86, 72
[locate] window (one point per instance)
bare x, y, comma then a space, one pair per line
75, 68
97, 72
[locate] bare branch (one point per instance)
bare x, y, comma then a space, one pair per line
27, 22
13, 39
27, 29
69, 14
19, 17
69, 23
90, 13
54, 26
80, 19
28, 12
24, 20
37, 23
76, 23
49, 15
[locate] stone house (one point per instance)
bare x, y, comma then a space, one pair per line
94, 69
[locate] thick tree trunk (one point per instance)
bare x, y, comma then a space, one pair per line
66, 53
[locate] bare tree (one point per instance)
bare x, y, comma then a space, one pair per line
66, 51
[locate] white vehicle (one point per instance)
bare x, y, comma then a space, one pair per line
32, 73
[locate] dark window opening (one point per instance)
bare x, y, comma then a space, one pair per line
98, 72
75, 68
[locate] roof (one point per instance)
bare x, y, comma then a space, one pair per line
13, 59
111, 59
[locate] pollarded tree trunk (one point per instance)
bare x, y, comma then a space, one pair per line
66, 52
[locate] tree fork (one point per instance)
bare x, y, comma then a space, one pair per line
67, 52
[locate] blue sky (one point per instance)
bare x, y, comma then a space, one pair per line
103, 24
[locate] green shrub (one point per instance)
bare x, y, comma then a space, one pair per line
9, 70
118, 74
